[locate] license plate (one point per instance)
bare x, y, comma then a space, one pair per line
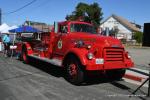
99, 61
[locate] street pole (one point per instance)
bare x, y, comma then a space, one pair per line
149, 84
0, 16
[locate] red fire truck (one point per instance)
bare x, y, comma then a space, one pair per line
75, 46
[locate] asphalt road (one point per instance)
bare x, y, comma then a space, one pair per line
42, 81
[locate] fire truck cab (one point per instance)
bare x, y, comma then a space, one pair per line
75, 46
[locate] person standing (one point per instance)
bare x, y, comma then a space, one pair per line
6, 41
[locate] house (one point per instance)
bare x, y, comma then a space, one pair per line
122, 27
40, 26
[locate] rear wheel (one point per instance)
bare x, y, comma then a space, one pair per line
75, 74
25, 56
116, 74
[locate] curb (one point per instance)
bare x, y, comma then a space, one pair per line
134, 77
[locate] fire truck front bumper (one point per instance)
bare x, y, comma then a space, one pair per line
100, 64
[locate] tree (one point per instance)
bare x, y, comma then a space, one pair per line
89, 13
138, 36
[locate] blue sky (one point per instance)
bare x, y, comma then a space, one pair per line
49, 11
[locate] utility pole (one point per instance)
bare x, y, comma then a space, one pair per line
0, 16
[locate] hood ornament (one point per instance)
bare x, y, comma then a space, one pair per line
107, 42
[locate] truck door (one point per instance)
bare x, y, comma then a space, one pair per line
61, 40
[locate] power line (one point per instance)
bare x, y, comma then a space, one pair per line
40, 5
20, 8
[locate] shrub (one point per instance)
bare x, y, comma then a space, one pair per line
138, 37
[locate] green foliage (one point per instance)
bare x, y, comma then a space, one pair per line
90, 13
138, 36
123, 41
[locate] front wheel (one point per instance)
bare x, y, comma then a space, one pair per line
75, 74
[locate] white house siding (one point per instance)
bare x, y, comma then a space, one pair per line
111, 23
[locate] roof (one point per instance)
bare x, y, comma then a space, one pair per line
34, 23
40, 26
43, 28
124, 22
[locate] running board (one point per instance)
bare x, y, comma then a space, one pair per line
56, 62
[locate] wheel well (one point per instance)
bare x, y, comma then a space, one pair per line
24, 48
69, 56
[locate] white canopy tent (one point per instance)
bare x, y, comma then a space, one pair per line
4, 28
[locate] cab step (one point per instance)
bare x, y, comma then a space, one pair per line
56, 62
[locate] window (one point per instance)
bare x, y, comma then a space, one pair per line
63, 29
82, 28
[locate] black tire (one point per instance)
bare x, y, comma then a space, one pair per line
74, 70
115, 74
25, 58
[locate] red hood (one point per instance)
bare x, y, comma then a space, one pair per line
96, 39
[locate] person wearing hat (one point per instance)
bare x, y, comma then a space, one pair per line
6, 41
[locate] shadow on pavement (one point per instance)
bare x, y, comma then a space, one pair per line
119, 85
96, 78
47, 67
91, 80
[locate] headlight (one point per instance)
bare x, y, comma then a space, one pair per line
90, 56
89, 47
128, 55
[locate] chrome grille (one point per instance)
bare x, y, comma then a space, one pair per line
113, 54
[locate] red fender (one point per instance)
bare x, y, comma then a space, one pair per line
28, 47
80, 53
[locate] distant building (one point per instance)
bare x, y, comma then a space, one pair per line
123, 27
40, 26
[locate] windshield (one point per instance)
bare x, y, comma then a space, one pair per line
83, 28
